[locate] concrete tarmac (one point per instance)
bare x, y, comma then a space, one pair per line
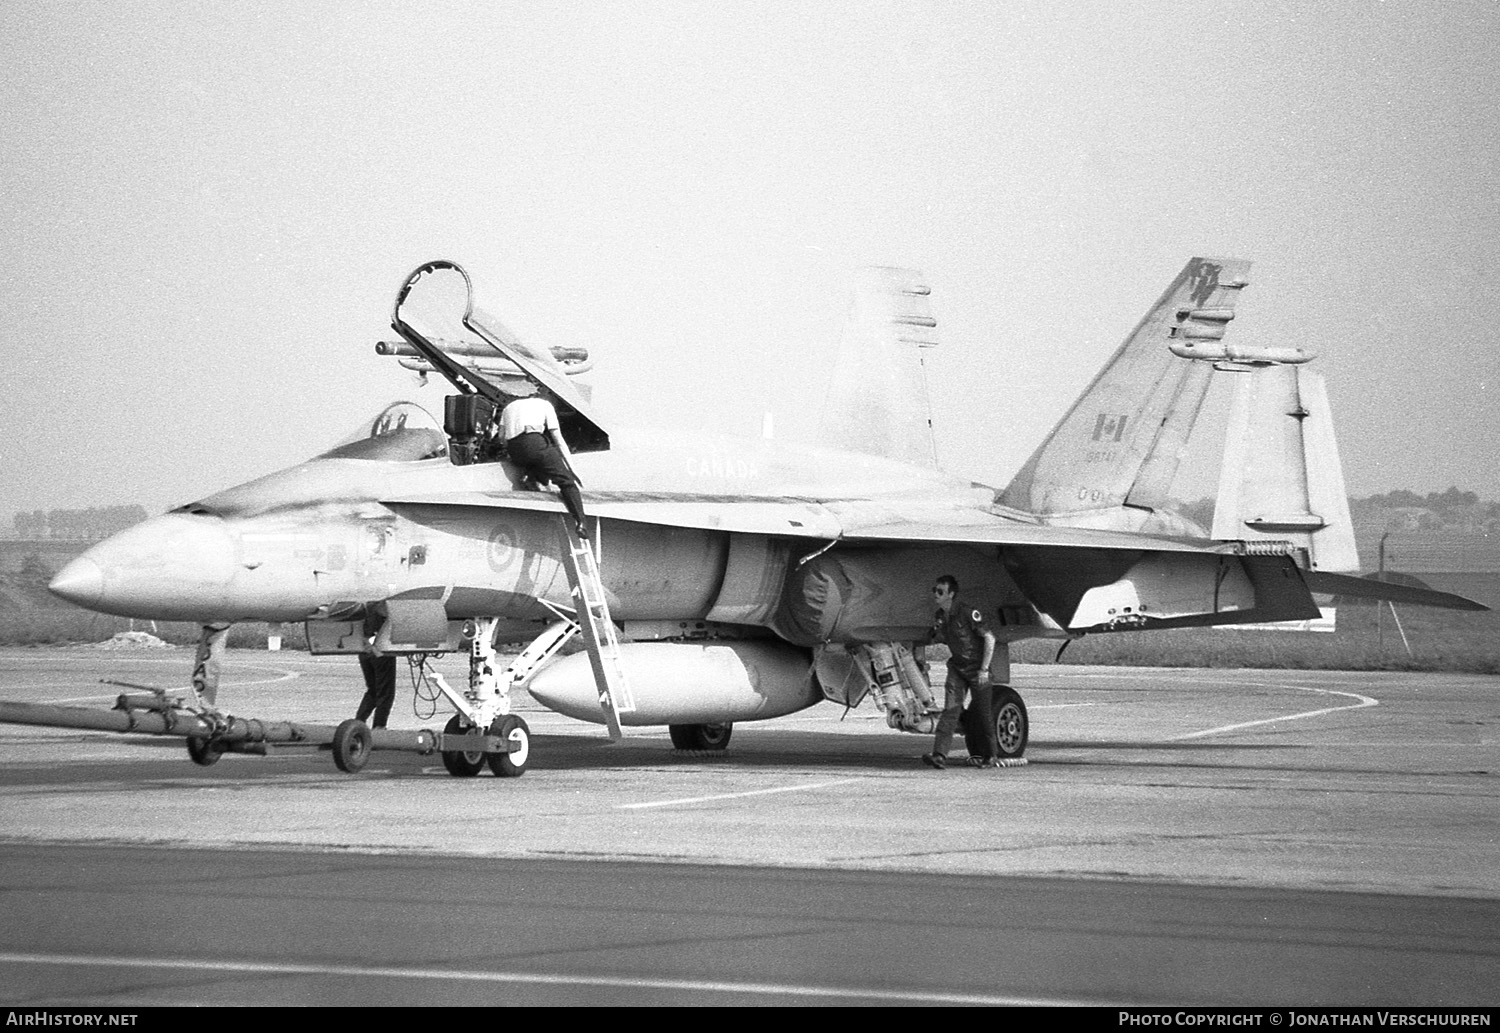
1223, 798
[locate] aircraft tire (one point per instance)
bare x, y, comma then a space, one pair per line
351, 745
1012, 725
204, 752
459, 763
510, 765
712, 738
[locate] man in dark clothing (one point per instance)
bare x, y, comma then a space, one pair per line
380, 689
971, 646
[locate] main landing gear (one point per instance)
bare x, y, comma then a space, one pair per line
1012, 726
888, 673
701, 738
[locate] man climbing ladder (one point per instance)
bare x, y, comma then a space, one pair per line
534, 441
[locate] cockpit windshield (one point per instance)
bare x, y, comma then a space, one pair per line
402, 431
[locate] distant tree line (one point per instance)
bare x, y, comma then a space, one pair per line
1401, 499
91, 523
1450, 510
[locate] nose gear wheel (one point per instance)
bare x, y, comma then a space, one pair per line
512, 729
460, 763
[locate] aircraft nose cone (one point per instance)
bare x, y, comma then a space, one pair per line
80, 582
172, 567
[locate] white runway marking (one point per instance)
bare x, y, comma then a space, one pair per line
1364, 701
536, 978
104, 654
732, 796
175, 660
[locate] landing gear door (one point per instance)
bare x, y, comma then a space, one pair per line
843, 679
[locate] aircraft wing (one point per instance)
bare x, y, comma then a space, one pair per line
748, 514
1001, 531
856, 521
1084, 578
1386, 591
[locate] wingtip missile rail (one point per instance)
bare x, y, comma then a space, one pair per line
1239, 354
573, 360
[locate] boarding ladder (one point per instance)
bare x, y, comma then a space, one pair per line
598, 628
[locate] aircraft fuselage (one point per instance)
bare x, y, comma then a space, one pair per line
337, 532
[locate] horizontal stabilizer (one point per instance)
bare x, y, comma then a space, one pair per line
1386, 591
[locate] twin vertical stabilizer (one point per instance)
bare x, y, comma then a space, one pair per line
877, 400
1281, 477
1121, 443
1112, 459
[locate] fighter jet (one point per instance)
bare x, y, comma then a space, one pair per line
725, 580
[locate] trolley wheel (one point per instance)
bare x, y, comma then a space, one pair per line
460, 763
204, 752
712, 738
351, 745
514, 730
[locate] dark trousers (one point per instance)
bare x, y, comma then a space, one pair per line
543, 461
954, 690
380, 688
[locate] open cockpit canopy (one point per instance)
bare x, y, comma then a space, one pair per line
435, 311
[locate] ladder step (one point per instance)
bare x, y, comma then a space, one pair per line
592, 612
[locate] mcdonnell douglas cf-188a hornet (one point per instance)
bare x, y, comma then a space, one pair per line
722, 581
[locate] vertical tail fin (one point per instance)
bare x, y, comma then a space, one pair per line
1282, 477
1123, 439
877, 400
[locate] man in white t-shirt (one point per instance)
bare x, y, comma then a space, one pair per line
534, 442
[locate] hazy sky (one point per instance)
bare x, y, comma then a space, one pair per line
207, 209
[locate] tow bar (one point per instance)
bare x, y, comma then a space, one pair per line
210, 735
